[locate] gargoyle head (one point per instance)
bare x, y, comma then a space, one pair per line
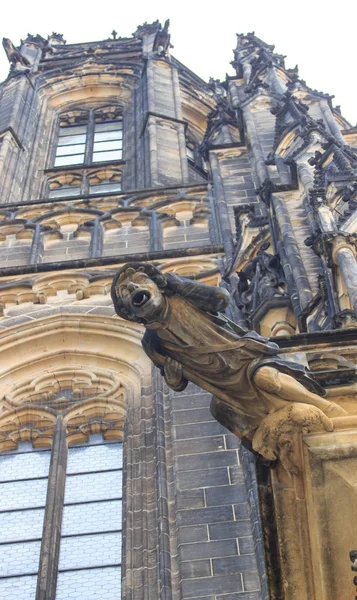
138, 292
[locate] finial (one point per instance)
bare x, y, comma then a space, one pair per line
114, 34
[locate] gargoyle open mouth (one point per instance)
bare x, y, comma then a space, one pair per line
140, 297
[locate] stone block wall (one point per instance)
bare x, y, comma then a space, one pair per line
215, 542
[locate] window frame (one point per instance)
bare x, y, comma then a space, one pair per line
89, 150
85, 187
58, 473
195, 158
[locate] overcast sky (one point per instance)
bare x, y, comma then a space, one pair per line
318, 35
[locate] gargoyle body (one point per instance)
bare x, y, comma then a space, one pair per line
188, 340
14, 55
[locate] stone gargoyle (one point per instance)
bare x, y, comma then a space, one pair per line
262, 398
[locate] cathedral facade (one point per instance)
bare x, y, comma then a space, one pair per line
114, 152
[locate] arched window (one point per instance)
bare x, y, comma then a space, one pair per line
23, 486
89, 136
61, 508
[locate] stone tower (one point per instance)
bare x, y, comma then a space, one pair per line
114, 152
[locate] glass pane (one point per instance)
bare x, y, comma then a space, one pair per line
18, 588
95, 458
75, 159
109, 126
108, 135
66, 150
21, 525
190, 153
105, 156
93, 584
72, 130
111, 145
20, 466
23, 494
71, 139
95, 438
92, 517
64, 191
90, 551
20, 558
97, 486
102, 188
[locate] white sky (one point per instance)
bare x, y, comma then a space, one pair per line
319, 35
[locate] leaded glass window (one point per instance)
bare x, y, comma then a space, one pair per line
90, 553
71, 145
23, 488
108, 141
190, 152
87, 137
91, 532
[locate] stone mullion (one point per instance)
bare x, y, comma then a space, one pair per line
96, 243
89, 139
35, 246
155, 230
51, 536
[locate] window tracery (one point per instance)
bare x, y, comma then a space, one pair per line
88, 182
89, 136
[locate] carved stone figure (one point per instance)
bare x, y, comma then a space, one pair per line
162, 39
14, 55
260, 280
269, 398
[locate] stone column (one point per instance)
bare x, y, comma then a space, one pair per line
344, 256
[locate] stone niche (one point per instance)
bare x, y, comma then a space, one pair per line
310, 522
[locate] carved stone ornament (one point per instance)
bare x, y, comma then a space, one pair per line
260, 280
17, 60
267, 399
